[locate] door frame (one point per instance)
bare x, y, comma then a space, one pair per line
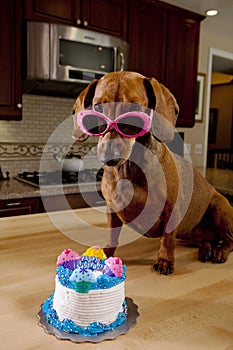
223, 54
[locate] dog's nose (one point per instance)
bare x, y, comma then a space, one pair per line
110, 159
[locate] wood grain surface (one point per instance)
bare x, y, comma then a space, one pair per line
189, 310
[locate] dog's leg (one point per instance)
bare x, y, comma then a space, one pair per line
165, 262
114, 230
222, 215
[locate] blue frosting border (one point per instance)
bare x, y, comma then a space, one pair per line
68, 326
103, 281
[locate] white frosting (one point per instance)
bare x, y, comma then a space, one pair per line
100, 305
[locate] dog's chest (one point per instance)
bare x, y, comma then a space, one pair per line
129, 195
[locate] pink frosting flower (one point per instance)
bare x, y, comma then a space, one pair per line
114, 267
67, 255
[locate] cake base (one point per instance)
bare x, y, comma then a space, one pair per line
132, 314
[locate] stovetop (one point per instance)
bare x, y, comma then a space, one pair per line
58, 178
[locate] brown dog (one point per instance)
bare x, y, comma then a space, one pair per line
147, 186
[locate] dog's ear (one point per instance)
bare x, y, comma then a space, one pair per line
83, 101
166, 109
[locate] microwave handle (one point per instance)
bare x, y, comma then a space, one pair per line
122, 61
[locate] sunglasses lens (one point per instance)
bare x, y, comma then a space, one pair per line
131, 126
94, 124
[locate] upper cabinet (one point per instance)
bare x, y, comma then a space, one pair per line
52, 10
107, 16
181, 64
147, 35
164, 44
10, 60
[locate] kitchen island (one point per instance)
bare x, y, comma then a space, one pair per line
221, 179
17, 198
191, 309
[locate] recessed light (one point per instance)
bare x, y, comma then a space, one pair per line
211, 12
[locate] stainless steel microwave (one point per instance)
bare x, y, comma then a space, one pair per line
69, 54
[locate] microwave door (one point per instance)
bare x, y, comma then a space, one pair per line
83, 57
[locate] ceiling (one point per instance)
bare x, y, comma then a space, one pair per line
222, 65
223, 19
225, 7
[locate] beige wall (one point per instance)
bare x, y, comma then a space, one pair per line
214, 34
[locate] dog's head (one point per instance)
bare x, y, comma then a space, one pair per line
132, 88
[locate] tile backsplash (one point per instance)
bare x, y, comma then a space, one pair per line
45, 129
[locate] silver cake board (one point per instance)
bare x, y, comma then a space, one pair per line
130, 322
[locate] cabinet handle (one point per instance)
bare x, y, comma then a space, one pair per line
13, 204
78, 21
19, 105
100, 202
85, 23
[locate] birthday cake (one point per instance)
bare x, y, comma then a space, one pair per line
89, 296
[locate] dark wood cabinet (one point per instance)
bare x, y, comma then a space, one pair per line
107, 16
147, 35
50, 11
164, 44
181, 64
10, 60
34, 205
73, 201
13, 207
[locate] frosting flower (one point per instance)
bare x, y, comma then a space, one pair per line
95, 251
67, 255
82, 274
82, 277
114, 267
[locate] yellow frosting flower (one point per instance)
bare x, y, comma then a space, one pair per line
95, 251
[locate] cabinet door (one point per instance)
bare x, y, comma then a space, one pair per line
147, 38
107, 16
10, 60
181, 69
74, 201
49, 10
15, 207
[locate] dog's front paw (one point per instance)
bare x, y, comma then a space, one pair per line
164, 267
205, 252
219, 255
215, 253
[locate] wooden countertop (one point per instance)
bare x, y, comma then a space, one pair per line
190, 310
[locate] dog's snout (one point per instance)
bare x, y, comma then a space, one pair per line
110, 159
114, 149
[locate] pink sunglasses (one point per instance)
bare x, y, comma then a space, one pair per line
129, 125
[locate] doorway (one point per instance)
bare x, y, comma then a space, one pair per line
221, 155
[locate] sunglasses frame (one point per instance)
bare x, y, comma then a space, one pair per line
147, 119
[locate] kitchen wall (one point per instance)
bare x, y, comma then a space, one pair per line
45, 128
215, 33
19, 141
